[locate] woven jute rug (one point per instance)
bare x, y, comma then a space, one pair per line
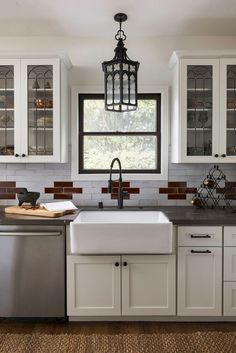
197, 342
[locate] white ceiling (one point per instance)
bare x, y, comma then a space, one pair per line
94, 18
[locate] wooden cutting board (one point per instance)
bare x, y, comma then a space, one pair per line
38, 212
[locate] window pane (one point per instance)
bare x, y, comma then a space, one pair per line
135, 152
96, 119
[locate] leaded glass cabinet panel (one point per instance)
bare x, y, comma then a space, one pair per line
199, 109
9, 107
42, 106
228, 109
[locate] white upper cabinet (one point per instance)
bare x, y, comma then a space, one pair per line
203, 108
33, 110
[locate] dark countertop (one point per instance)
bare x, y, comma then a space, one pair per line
179, 215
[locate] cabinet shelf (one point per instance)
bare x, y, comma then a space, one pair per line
41, 109
199, 109
41, 128
199, 89
6, 128
6, 109
7, 89
199, 128
41, 89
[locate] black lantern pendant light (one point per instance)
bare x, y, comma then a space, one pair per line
120, 76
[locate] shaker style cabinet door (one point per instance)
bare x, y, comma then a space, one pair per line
9, 110
40, 87
148, 285
93, 285
199, 281
199, 110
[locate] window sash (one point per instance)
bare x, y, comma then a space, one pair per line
82, 134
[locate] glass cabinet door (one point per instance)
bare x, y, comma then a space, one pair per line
231, 110
199, 110
200, 78
7, 110
40, 109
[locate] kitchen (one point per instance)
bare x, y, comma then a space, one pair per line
72, 43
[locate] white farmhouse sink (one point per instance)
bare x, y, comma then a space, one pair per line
121, 232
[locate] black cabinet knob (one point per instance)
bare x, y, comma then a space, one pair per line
223, 155
125, 263
117, 264
216, 155
16, 155
23, 155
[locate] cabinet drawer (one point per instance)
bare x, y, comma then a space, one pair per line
230, 236
229, 299
199, 236
230, 264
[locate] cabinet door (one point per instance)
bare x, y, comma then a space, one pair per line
229, 299
9, 110
40, 87
148, 285
228, 110
199, 110
199, 281
93, 285
229, 263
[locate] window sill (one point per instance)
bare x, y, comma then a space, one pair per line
126, 176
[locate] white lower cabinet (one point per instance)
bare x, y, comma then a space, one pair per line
126, 285
199, 275
199, 281
93, 285
148, 285
229, 271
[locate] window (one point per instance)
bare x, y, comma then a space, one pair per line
133, 137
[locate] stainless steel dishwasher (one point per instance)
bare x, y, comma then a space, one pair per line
32, 271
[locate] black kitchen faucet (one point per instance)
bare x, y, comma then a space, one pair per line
121, 192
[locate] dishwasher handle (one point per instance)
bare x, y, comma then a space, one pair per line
30, 234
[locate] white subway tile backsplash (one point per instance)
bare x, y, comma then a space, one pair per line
35, 177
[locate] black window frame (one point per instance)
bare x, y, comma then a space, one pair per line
81, 134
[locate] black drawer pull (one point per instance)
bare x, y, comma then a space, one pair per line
117, 264
200, 251
200, 236
125, 263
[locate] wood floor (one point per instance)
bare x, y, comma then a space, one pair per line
112, 327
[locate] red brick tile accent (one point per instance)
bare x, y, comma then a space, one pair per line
115, 197
14, 190
187, 190
7, 196
63, 190
177, 183
115, 189
177, 190
176, 197
230, 184
124, 183
168, 190
73, 190
63, 183
7, 183
62, 196
53, 190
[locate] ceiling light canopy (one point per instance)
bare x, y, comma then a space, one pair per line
120, 75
